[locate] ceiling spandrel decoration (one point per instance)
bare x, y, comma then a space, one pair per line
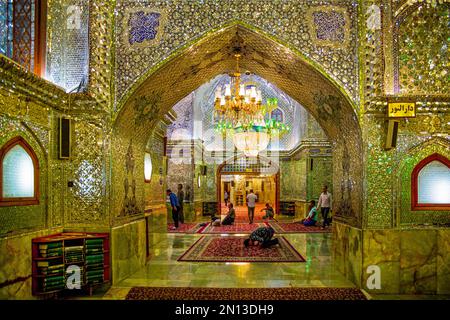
143, 27
329, 25
333, 43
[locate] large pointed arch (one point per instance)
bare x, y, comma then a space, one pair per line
152, 97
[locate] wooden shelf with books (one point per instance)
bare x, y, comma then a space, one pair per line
56, 260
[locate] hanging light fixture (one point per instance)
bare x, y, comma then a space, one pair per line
239, 109
238, 105
251, 141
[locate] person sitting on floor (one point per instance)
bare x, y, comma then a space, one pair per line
270, 213
311, 219
229, 219
215, 221
261, 237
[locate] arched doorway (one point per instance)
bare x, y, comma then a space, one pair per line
157, 91
241, 174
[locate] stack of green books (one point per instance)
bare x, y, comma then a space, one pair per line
49, 250
51, 283
94, 276
74, 254
94, 261
51, 270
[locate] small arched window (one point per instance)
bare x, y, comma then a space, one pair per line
277, 115
19, 174
430, 185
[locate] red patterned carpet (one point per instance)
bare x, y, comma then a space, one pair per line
235, 228
242, 213
232, 249
290, 227
162, 293
184, 227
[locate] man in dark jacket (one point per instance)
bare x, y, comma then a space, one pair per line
180, 196
175, 207
261, 237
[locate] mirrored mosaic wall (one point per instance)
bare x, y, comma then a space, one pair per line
19, 218
30, 107
420, 77
424, 60
68, 44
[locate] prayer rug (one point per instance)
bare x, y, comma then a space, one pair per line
234, 228
291, 227
232, 249
291, 293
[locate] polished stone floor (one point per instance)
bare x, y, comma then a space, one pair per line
163, 269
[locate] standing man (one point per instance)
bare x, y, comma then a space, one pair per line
251, 203
324, 204
225, 197
175, 207
180, 196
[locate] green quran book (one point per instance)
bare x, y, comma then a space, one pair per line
49, 263
50, 245
94, 241
94, 251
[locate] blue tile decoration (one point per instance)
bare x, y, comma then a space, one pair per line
143, 26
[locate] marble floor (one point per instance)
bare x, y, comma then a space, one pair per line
163, 269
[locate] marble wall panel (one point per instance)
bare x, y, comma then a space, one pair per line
443, 261
418, 262
128, 249
411, 261
382, 248
15, 264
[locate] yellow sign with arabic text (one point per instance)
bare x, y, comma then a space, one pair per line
401, 109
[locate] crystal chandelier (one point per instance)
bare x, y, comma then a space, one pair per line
251, 141
239, 105
239, 109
